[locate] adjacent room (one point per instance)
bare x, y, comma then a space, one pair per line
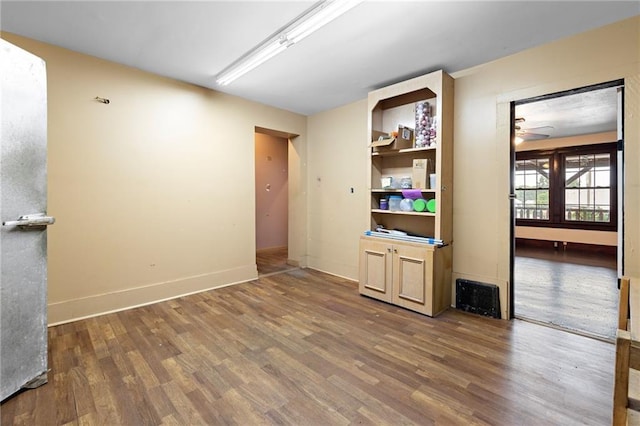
319, 212
568, 209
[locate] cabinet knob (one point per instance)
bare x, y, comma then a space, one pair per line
389, 249
395, 250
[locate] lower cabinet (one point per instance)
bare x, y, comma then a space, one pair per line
412, 275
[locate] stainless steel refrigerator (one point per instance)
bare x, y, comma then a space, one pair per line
23, 234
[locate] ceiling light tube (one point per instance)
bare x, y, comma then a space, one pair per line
260, 56
299, 28
319, 17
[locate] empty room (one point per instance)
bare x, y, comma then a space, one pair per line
312, 213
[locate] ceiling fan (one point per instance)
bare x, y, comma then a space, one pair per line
527, 134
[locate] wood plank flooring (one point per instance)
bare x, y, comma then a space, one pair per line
304, 348
574, 291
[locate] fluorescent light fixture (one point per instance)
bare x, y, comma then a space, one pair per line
250, 62
313, 19
321, 15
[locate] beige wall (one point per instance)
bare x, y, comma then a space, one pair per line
140, 188
337, 163
590, 139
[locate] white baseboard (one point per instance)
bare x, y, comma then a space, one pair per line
355, 280
101, 304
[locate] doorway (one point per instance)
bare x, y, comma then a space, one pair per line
567, 202
271, 202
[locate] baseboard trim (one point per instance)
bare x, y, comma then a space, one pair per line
567, 246
292, 262
102, 304
334, 274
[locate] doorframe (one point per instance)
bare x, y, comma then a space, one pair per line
512, 156
294, 257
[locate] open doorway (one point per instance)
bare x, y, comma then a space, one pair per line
566, 179
272, 202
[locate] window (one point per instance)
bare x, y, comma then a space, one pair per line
568, 187
587, 188
532, 188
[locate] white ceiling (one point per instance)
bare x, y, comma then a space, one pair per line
583, 113
372, 45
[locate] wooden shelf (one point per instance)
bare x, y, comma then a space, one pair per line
403, 151
399, 191
400, 212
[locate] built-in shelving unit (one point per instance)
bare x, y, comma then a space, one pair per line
414, 275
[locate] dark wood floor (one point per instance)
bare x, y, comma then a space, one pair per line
574, 290
272, 260
304, 348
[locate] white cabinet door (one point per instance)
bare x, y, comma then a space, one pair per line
375, 269
412, 278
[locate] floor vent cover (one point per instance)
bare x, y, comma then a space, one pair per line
478, 298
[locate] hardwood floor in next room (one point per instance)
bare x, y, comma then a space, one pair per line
272, 260
573, 290
304, 348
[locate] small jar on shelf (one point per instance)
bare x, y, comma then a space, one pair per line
384, 204
394, 202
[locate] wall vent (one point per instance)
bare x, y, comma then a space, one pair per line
478, 298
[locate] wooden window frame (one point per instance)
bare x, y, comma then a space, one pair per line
540, 155
557, 188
